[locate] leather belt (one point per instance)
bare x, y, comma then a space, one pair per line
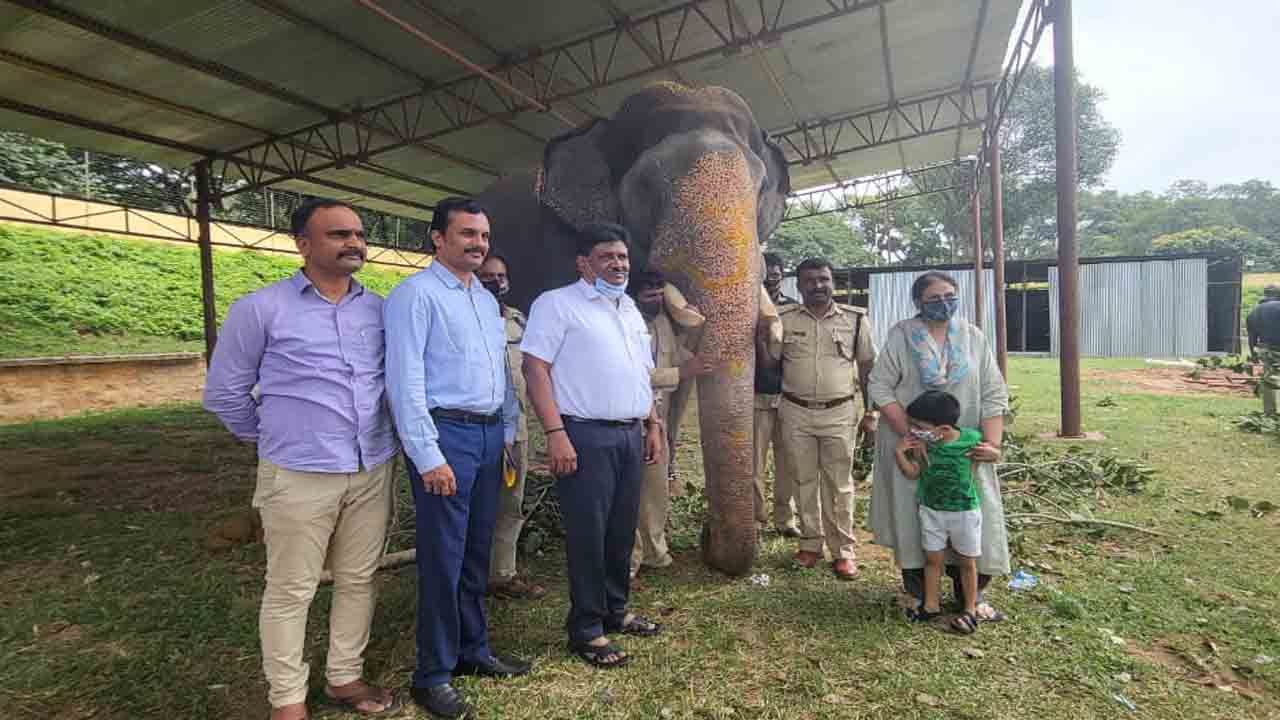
466, 417
817, 404
605, 423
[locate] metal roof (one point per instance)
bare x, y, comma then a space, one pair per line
396, 103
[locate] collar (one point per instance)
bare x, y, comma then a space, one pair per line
302, 283
833, 310
589, 292
450, 280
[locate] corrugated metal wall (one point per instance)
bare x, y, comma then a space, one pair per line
1139, 309
891, 300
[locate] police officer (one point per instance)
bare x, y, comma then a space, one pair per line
504, 581
768, 429
1263, 325
826, 356
673, 362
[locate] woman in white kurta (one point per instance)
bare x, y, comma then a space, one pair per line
937, 351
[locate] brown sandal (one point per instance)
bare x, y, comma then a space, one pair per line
389, 701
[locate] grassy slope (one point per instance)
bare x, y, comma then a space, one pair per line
169, 628
64, 293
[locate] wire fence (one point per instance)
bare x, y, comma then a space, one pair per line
39, 165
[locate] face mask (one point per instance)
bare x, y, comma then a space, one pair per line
494, 287
611, 292
925, 435
940, 310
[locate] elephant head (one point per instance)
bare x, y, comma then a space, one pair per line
699, 186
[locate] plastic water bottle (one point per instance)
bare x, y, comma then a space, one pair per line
1023, 580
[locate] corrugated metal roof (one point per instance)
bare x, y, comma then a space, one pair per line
249, 67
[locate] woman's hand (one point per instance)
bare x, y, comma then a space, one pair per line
985, 452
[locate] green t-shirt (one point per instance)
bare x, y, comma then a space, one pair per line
946, 482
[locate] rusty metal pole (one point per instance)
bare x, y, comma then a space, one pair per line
1068, 252
979, 286
203, 196
997, 251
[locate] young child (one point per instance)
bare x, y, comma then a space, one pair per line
936, 455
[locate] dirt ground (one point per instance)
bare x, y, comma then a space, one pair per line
1176, 381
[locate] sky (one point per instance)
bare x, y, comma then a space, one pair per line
1192, 85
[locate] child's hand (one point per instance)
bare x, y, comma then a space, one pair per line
909, 445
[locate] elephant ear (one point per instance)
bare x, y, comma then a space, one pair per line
576, 184
774, 190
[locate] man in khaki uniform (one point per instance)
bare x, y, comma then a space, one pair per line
673, 362
826, 355
504, 581
768, 429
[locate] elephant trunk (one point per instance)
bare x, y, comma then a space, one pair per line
707, 244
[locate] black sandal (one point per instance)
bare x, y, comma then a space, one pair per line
638, 626
964, 624
920, 615
597, 655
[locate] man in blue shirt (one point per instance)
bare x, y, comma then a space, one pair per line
455, 408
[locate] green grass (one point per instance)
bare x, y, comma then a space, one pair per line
169, 628
74, 294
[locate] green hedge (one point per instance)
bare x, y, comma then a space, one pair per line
64, 293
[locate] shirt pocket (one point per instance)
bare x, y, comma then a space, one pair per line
796, 345
369, 344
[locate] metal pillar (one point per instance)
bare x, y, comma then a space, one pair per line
203, 195
997, 252
1068, 252
978, 284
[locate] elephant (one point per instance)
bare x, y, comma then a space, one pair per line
699, 186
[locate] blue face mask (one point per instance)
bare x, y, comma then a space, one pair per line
940, 310
611, 292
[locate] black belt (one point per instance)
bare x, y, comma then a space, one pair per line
466, 417
605, 423
818, 404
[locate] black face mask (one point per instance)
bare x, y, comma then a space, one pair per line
650, 309
494, 287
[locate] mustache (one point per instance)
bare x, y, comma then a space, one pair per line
474, 248
352, 253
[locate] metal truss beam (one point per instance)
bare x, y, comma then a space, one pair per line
355, 193
878, 190
226, 74
684, 33
824, 140
1037, 19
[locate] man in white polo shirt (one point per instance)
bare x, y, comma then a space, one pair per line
587, 359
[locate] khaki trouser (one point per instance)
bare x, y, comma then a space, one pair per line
311, 521
506, 530
1270, 380
768, 430
819, 448
651, 524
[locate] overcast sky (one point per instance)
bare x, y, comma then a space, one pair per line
1192, 85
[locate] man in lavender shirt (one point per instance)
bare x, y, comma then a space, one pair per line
313, 344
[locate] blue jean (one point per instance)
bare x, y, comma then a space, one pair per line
453, 535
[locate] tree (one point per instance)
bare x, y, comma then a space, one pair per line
1029, 156
1220, 239
43, 165
829, 236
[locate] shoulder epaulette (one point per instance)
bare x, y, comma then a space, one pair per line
785, 309
852, 308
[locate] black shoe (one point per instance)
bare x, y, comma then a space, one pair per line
496, 666
442, 701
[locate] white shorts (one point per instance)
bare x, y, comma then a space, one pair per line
963, 528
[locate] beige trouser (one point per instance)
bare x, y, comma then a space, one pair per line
311, 521
768, 430
651, 524
506, 530
819, 449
